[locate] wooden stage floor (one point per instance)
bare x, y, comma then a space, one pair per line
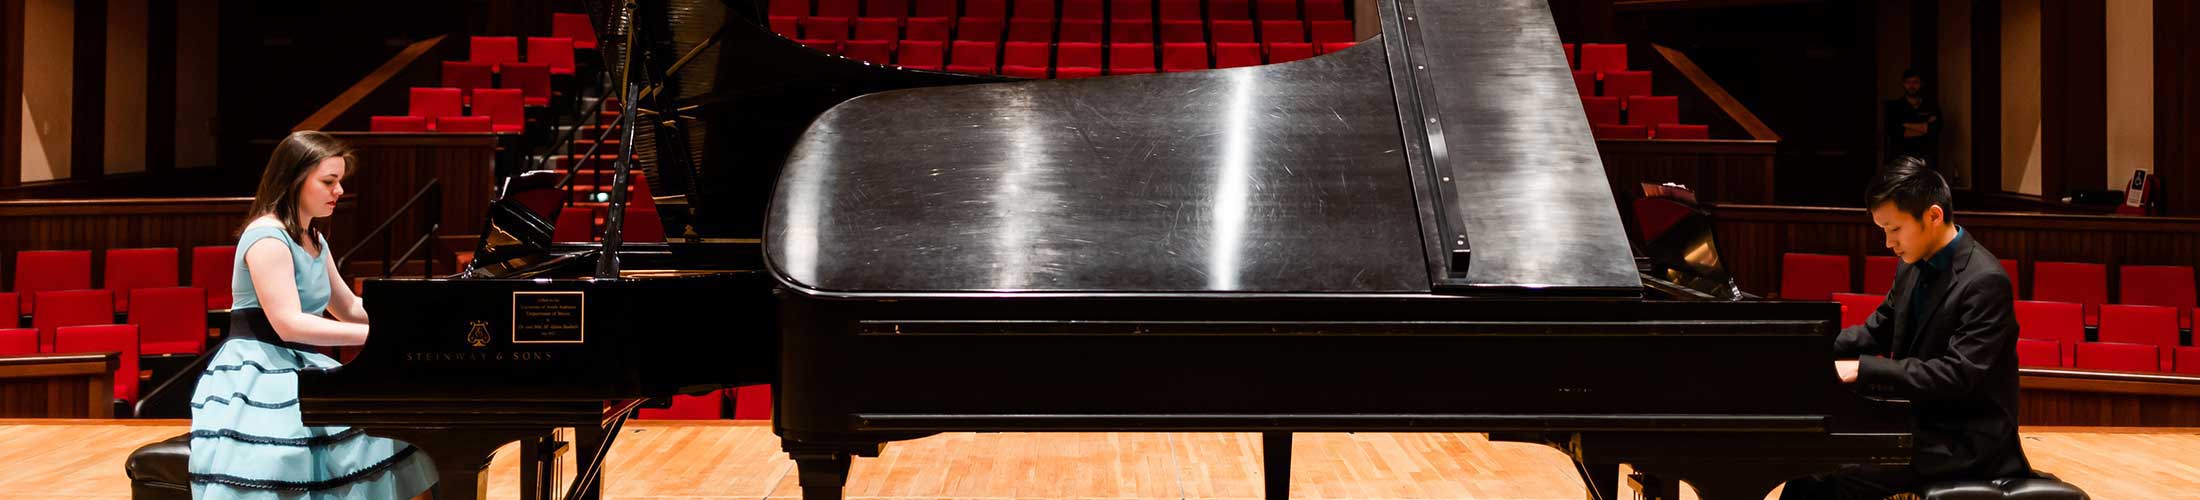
80, 459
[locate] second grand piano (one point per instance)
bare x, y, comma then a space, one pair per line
1411, 235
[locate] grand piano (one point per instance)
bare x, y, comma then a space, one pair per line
1411, 235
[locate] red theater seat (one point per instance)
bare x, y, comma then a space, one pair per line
2038, 353
132, 268
532, 80
1229, 9
1031, 30
170, 320
991, 9
1325, 9
1856, 307
557, 52
1282, 30
1132, 10
873, 51
1283, 52
935, 8
1585, 82
18, 341
1232, 55
11, 315
1278, 9
2077, 282
1331, 31
1626, 83
2150, 325
575, 225
706, 406
1653, 110
506, 109
577, 27
1080, 55
836, 8
57, 309
979, 29
119, 339
2167, 286
786, 26
975, 58
1183, 57
435, 102
1680, 132
1027, 55
825, 28
1616, 131
2118, 357
1183, 10
467, 76
896, 9
2060, 322
924, 55
1879, 273
1233, 31
50, 270
928, 28
1572, 61
752, 402
1035, 9
1182, 31
1130, 31
2188, 360
826, 46
1332, 47
211, 270
643, 225
1083, 31
464, 124
397, 124
495, 51
1604, 57
878, 28
1602, 110
1809, 276
1084, 10
1130, 58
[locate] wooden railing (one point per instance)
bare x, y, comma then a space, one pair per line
77, 385
419, 64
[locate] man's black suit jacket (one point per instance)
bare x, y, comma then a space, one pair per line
1959, 370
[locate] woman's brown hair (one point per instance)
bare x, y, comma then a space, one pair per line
286, 172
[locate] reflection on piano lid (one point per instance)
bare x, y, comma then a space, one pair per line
1677, 240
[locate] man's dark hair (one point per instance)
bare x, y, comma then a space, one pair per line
1912, 186
1909, 73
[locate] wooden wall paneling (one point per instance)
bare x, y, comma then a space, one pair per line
2088, 398
160, 87
393, 166
98, 225
88, 134
2177, 104
1986, 95
78, 385
11, 92
2073, 96
2005, 244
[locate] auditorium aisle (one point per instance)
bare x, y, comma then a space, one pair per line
62, 459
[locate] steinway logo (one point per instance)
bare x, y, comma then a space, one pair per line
479, 335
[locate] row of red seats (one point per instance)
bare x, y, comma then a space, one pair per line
126, 269
490, 91
439, 109
2135, 338
1620, 102
1806, 276
1074, 60
1065, 9
120, 339
750, 402
500, 53
1049, 30
173, 318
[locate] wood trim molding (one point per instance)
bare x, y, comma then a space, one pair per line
1857, 217
366, 86
2143, 384
1710, 88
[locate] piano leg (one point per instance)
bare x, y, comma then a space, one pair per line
1276, 464
822, 474
1600, 480
1730, 481
1649, 487
540, 460
587, 442
460, 457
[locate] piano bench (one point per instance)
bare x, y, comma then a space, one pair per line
162, 470
2041, 488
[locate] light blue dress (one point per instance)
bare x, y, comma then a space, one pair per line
247, 440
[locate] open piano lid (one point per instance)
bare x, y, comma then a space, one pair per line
1371, 170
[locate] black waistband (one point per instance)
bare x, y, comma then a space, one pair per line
251, 324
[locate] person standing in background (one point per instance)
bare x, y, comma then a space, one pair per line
1912, 122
